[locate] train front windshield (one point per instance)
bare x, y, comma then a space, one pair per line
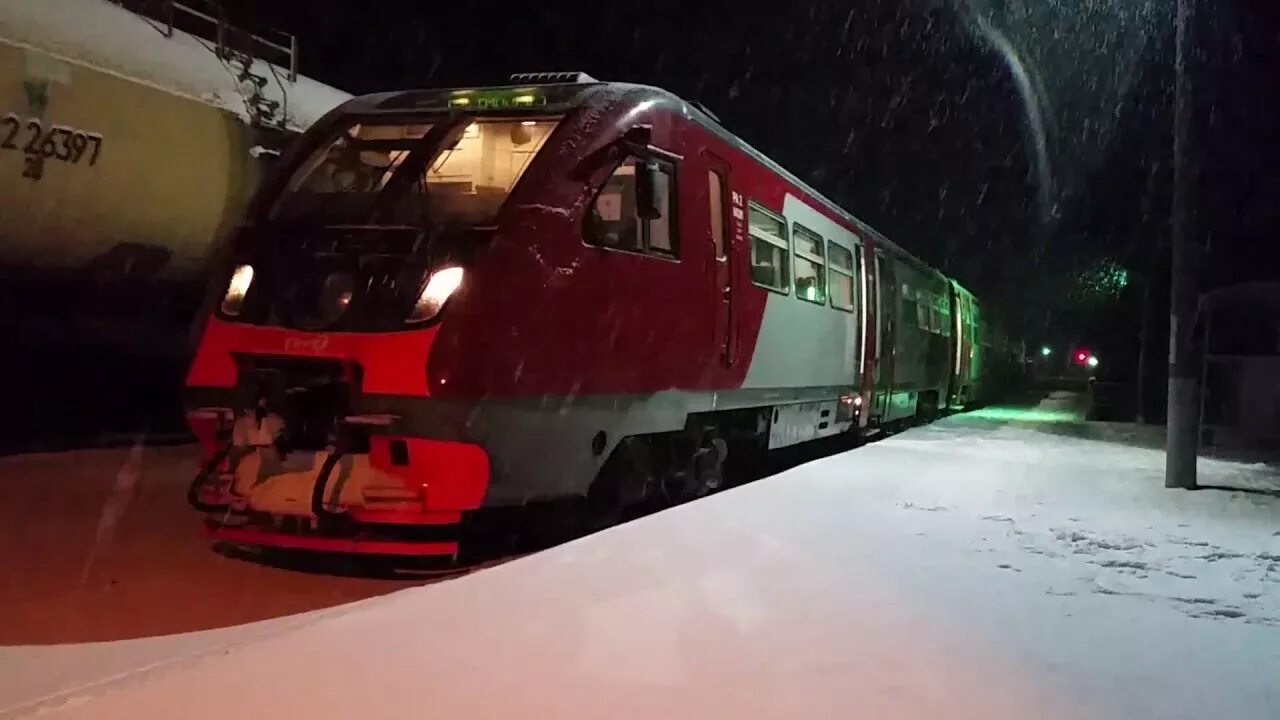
413, 174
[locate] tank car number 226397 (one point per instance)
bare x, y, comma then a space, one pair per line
58, 142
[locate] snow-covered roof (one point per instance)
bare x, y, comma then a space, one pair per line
105, 36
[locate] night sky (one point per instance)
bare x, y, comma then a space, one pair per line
910, 114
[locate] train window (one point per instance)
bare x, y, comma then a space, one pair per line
613, 221
364, 176
659, 236
840, 273
910, 314
924, 307
715, 192
811, 278
769, 249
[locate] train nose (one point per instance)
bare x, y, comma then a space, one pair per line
319, 304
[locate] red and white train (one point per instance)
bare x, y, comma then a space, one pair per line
554, 291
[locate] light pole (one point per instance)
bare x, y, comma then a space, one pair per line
1183, 427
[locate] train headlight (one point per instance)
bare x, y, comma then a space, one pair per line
848, 407
241, 279
440, 286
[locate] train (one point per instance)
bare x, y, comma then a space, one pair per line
558, 292
130, 143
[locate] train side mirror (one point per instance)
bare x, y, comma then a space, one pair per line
650, 186
648, 191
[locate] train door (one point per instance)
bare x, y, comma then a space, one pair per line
885, 331
721, 240
962, 339
870, 329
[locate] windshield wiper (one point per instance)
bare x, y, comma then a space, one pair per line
414, 169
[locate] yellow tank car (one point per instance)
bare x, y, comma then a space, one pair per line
127, 148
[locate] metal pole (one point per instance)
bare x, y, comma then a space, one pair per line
1144, 337
1183, 422
1205, 359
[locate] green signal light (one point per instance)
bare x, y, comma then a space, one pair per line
1046, 351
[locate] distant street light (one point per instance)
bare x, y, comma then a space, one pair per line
1046, 351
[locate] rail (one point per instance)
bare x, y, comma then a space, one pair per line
168, 15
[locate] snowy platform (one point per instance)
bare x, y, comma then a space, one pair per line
981, 567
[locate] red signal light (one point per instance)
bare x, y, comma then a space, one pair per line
1081, 357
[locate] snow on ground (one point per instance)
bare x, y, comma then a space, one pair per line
106, 36
99, 545
976, 568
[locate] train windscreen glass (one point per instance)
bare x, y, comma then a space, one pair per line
465, 175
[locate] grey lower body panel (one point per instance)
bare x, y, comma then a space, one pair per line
552, 446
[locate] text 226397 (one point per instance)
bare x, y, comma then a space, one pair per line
57, 142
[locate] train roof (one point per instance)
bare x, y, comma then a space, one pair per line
112, 39
561, 96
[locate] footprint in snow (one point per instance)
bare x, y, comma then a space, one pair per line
1252, 595
1230, 613
1122, 564
1007, 566
1041, 551
1221, 555
998, 518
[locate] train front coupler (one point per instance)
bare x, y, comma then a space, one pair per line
225, 440
210, 489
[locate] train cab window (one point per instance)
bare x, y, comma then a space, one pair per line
769, 249
364, 175
840, 273
810, 263
614, 222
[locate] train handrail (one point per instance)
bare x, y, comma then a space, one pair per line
169, 12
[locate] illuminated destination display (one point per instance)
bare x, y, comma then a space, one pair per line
496, 100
